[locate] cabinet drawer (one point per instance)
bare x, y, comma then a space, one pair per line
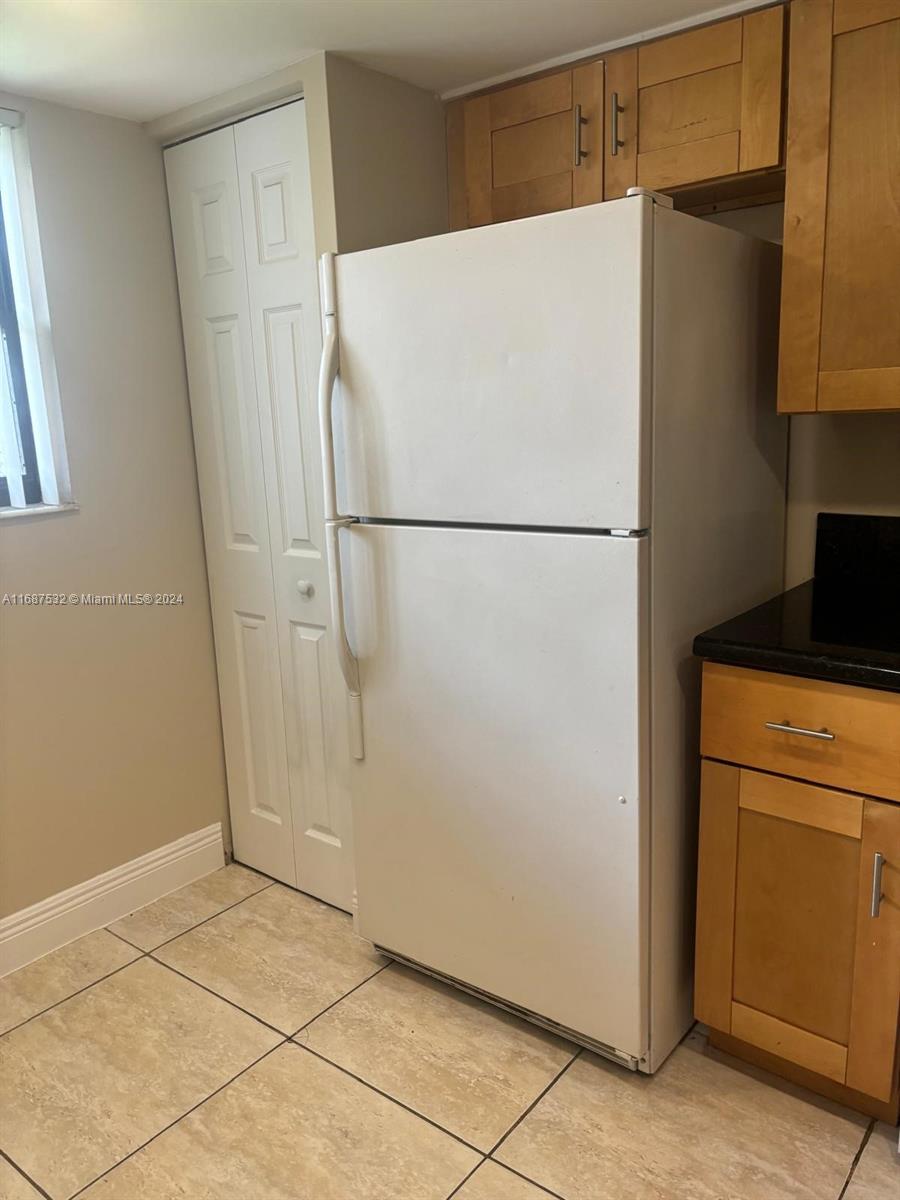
862, 755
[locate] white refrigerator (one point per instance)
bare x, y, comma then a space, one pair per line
551, 457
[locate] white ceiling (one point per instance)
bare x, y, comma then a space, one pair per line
144, 58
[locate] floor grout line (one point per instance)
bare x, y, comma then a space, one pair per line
272, 882
247, 1012
118, 937
292, 887
144, 952
141, 953
503, 1167
542, 1187
535, 1102
180, 1118
329, 1007
859, 1153
465, 1179
191, 928
71, 996
387, 1096
15, 1166
274, 1028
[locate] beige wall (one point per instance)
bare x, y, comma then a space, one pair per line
389, 157
836, 462
110, 744
839, 462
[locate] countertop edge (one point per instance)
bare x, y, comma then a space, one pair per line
787, 662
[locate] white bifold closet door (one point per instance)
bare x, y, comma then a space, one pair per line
242, 222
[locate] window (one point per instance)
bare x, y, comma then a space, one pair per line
33, 471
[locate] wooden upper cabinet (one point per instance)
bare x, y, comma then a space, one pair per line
696, 106
528, 149
840, 330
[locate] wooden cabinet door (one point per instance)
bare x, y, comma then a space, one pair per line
529, 149
621, 142
790, 957
840, 333
698, 105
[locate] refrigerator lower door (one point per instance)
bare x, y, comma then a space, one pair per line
500, 375
500, 811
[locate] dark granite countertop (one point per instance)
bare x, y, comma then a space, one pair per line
843, 625
808, 631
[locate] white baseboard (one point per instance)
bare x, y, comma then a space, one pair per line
51, 923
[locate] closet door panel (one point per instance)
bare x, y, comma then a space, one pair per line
209, 251
285, 328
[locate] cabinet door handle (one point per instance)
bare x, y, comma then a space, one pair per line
877, 868
615, 142
579, 121
821, 735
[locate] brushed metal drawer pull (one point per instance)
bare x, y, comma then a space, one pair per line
616, 143
877, 894
579, 120
821, 735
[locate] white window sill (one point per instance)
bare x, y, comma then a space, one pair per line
37, 510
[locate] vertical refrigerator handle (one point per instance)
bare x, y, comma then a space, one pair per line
328, 370
334, 522
349, 665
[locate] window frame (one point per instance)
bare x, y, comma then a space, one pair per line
9, 331
27, 341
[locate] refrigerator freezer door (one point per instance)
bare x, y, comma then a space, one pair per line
499, 813
497, 375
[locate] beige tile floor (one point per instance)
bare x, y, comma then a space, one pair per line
235, 1040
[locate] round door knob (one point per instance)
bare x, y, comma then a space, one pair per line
304, 587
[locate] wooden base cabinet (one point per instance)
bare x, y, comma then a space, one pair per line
840, 335
798, 927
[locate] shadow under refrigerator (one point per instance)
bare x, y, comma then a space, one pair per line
551, 456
